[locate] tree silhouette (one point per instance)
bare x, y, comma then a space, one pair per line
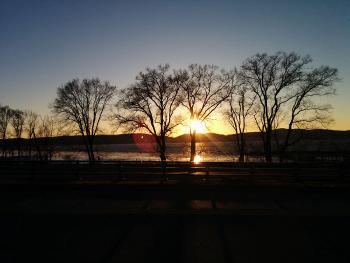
277, 81
82, 103
203, 89
17, 121
303, 111
240, 107
5, 117
47, 130
31, 128
150, 105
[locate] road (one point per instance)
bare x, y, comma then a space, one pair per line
174, 222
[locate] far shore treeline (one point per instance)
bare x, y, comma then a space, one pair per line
266, 92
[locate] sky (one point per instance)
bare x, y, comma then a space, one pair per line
44, 44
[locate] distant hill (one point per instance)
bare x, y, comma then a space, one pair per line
205, 137
107, 139
322, 135
281, 133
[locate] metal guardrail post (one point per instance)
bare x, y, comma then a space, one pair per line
32, 171
123, 176
341, 172
164, 173
252, 170
207, 167
120, 171
296, 172
77, 176
190, 169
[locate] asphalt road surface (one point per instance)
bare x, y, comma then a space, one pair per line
172, 223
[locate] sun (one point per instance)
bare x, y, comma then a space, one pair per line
197, 159
198, 126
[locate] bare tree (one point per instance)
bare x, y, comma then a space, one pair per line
47, 130
5, 117
240, 102
31, 129
150, 105
203, 89
303, 111
82, 103
17, 121
277, 81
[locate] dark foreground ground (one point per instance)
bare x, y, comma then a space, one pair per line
110, 238
172, 221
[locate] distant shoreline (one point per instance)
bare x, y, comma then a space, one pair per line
132, 138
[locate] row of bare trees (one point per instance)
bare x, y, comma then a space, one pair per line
16, 124
161, 99
266, 92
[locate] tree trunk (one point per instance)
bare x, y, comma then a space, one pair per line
162, 149
193, 145
242, 148
91, 148
3, 146
86, 141
37, 146
162, 155
268, 146
281, 156
49, 148
30, 148
283, 150
241, 156
19, 148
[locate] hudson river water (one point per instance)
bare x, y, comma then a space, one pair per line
209, 151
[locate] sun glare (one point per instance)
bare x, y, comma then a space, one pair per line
198, 126
197, 159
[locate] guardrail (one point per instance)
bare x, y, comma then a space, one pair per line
62, 171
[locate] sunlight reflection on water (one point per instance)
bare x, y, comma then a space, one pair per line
209, 152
